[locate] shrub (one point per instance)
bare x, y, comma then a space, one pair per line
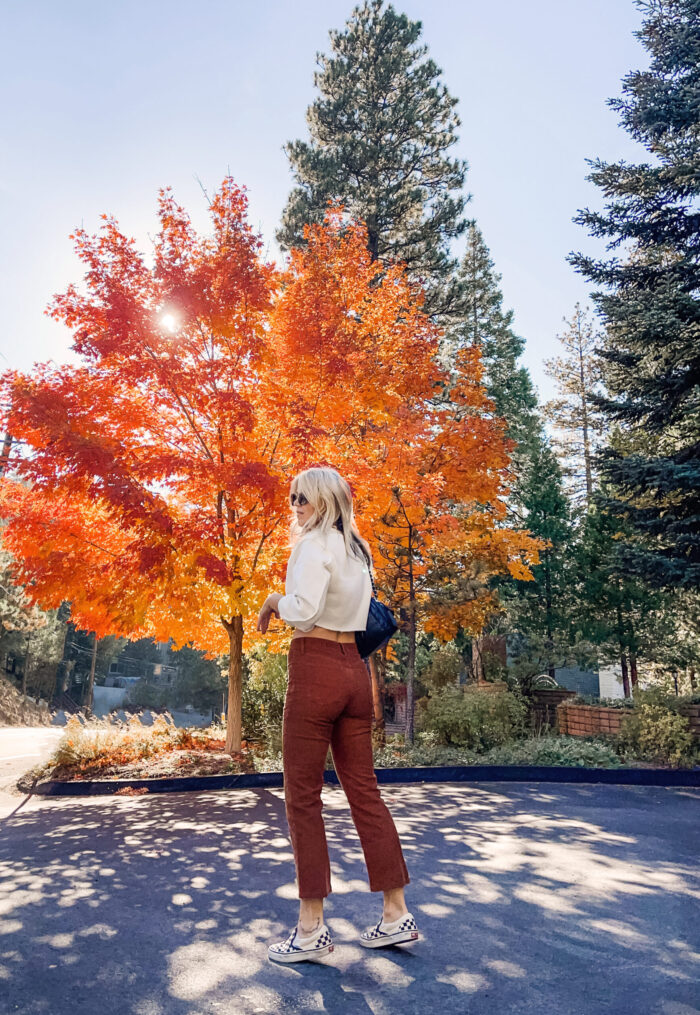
660, 696
264, 689
268, 762
445, 666
689, 699
576, 752
656, 733
593, 699
427, 752
147, 695
475, 720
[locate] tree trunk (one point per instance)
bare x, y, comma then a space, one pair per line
410, 673
584, 419
411, 662
25, 668
625, 677
551, 669
61, 683
5, 453
693, 682
623, 652
633, 668
477, 661
234, 629
372, 239
91, 678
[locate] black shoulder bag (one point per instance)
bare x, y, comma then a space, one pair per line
381, 626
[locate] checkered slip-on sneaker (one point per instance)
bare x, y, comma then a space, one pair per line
400, 931
299, 949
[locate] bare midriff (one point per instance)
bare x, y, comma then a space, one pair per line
324, 632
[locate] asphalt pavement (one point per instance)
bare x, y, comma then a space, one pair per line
533, 898
21, 748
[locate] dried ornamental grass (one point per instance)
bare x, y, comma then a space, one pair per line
104, 751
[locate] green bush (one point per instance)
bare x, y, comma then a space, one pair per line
475, 720
445, 666
660, 696
577, 752
689, 699
263, 693
427, 752
593, 699
657, 733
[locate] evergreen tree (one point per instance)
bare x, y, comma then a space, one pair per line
651, 357
380, 131
578, 420
614, 611
199, 681
539, 609
679, 650
483, 322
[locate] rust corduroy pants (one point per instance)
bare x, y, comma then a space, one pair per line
329, 701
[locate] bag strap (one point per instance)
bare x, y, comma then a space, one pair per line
371, 578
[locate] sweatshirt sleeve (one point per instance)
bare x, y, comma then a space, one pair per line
311, 573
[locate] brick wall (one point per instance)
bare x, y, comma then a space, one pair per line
593, 720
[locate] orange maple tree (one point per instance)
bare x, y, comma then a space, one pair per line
359, 359
149, 483
146, 490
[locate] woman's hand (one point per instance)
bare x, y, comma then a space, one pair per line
269, 607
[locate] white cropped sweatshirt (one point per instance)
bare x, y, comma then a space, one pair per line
325, 585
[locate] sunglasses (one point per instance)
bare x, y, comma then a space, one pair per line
299, 499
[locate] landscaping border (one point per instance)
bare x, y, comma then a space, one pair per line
458, 773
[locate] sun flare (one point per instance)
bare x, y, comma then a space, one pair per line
169, 322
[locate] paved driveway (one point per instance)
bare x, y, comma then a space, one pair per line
21, 748
538, 898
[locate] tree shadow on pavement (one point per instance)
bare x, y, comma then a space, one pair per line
532, 897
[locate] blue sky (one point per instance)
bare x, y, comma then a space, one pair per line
106, 101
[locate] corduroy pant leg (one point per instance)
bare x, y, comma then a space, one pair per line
306, 733
351, 744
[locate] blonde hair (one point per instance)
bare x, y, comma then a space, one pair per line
331, 497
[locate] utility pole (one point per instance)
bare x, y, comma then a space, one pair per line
91, 679
25, 668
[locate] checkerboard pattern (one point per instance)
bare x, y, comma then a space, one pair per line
288, 946
374, 933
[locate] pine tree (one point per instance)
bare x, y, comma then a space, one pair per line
539, 609
483, 323
650, 305
573, 413
616, 612
380, 131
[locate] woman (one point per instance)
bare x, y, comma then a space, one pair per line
329, 703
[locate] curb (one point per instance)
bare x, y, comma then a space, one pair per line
461, 773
